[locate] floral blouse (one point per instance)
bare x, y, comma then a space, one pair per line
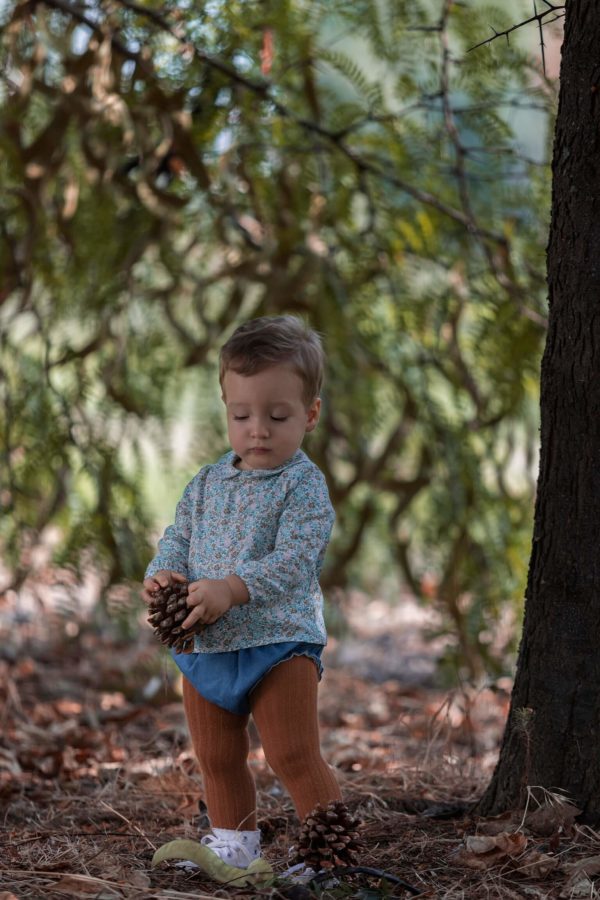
268, 526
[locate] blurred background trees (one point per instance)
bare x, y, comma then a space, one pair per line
169, 169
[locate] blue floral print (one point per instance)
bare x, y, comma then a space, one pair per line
268, 526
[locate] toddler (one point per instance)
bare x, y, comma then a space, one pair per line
249, 536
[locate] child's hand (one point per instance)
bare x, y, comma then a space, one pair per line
210, 599
159, 580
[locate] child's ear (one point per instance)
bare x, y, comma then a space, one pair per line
313, 413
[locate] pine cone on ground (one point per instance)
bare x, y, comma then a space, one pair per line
329, 837
166, 611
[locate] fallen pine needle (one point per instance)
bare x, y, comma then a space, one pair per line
130, 823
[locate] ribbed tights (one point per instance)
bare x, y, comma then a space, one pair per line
284, 708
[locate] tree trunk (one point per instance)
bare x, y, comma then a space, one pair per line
551, 739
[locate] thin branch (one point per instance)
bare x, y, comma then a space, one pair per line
263, 89
542, 45
381, 169
128, 822
449, 123
538, 17
367, 870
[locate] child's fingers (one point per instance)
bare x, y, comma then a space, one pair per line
161, 579
194, 597
150, 586
196, 615
164, 578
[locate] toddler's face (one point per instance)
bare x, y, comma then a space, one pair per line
266, 416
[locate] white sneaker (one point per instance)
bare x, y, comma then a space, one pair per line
236, 848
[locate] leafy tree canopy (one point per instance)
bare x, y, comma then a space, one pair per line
172, 168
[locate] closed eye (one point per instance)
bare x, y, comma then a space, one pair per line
279, 418
239, 418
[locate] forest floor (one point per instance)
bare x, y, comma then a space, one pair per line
96, 772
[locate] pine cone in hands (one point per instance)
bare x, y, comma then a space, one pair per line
166, 611
329, 837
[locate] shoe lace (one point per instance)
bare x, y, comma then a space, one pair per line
218, 843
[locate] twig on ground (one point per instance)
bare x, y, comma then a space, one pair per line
130, 823
340, 871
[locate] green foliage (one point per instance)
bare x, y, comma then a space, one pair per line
166, 174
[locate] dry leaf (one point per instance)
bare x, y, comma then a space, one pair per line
579, 880
137, 879
482, 851
588, 866
537, 865
508, 844
83, 886
473, 861
581, 887
107, 866
550, 817
498, 824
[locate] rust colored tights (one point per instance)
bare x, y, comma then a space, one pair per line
284, 708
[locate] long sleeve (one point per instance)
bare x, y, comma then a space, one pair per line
271, 527
174, 546
303, 532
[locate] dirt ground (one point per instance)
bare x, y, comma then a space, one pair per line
96, 772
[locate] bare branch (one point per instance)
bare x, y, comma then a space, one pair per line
263, 88
538, 17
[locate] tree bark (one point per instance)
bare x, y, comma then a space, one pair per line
551, 739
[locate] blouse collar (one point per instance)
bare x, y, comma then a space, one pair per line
226, 466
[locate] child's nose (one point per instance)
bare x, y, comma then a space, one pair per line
260, 428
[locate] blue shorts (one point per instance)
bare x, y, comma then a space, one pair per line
227, 679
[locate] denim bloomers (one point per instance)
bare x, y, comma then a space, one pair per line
227, 679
